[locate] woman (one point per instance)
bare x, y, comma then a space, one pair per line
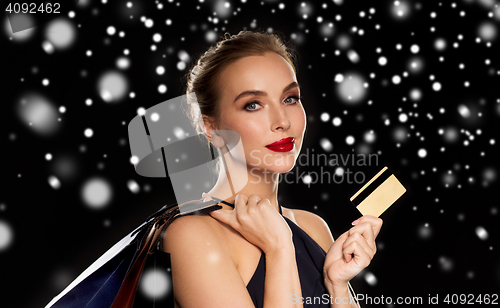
247, 83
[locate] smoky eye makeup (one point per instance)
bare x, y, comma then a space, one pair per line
297, 98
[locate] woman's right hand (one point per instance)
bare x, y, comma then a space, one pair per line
258, 222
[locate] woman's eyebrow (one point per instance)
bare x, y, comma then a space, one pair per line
294, 84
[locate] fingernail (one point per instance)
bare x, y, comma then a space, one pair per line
355, 222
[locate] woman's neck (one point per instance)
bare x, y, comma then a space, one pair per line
236, 177
257, 182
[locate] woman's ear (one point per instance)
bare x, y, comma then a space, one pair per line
216, 139
208, 127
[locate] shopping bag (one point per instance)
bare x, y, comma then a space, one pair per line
112, 280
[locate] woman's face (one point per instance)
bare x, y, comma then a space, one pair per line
259, 100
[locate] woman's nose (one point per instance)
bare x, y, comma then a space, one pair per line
279, 119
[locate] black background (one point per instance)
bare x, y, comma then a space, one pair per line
56, 236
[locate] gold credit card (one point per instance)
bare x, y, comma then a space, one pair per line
378, 194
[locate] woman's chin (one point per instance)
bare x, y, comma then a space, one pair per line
272, 169
284, 169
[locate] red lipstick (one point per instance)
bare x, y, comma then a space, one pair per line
282, 145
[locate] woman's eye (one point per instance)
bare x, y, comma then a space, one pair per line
251, 106
254, 106
292, 97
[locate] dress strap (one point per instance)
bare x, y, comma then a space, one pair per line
220, 200
232, 205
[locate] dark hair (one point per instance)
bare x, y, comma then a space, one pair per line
203, 78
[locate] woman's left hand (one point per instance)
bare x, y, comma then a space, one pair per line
352, 251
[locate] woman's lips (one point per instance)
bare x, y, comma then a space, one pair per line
283, 145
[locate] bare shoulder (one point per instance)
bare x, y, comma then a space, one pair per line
314, 226
189, 230
202, 264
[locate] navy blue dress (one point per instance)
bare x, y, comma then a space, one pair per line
310, 259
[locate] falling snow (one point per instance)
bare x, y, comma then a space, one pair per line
409, 82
